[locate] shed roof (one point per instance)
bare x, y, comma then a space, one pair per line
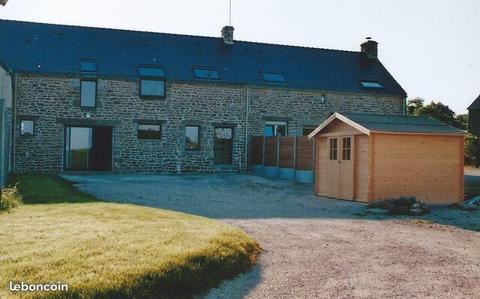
48, 48
368, 123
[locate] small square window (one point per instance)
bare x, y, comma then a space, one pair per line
207, 74
275, 128
88, 66
371, 84
88, 93
307, 130
148, 131
26, 127
274, 78
152, 88
192, 141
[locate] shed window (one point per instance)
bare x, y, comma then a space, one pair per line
88, 93
148, 131
26, 127
192, 141
371, 84
206, 74
152, 82
275, 128
346, 148
88, 66
275, 78
333, 148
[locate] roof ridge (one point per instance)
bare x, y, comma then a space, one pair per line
177, 34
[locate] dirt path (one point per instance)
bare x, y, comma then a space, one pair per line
317, 247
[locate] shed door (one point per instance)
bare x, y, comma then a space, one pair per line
340, 169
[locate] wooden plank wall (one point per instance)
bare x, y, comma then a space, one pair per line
304, 153
426, 166
271, 151
294, 152
361, 167
257, 150
287, 152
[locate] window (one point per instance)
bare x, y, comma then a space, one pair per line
192, 141
26, 127
346, 148
275, 78
88, 66
333, 148
275, 128
152, 82
206, 74
149, 131
371, 84
307, 130
88, 93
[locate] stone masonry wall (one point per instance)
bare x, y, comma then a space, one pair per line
46, 99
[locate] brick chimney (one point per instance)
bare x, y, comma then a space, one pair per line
227, 34
370, 48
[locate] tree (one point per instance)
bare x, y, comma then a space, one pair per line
438, 111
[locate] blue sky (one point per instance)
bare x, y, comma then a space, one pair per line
432, 47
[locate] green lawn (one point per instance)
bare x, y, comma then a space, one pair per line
106, 250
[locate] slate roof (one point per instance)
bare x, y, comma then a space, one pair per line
47, 48
404, 124
475, 104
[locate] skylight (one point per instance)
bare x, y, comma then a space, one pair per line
371, 84
275, 78
147, 71
203, 73
88, 66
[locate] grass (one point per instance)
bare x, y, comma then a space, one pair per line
43, 189
106, 250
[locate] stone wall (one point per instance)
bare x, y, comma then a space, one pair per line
52, 100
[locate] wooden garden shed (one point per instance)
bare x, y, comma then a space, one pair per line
367, 157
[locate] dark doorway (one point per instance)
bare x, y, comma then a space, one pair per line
223, 145
88, 148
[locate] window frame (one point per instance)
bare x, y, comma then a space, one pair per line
275, 124
333, 149
284, 82
96, 92
368, 84
205, 68
152, 78
149, 124
198, 136
33, 127
346, 149
86, 71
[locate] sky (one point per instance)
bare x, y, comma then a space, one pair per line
431, 47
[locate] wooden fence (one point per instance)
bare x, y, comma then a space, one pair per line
284, 152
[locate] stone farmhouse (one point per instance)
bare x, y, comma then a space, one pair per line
93, 99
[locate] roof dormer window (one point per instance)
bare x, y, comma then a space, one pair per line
371, 84
88, 66
206, 74
274, 78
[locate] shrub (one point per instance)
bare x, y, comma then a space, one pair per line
10, 198
472, 150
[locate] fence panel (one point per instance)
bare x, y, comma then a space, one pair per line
271, 151
287, 152
304, 153
257, 150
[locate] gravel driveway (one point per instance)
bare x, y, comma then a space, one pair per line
313, 246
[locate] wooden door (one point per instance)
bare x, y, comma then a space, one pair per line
339, 180
346, 169
331, 186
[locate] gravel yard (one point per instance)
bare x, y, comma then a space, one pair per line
313, 246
